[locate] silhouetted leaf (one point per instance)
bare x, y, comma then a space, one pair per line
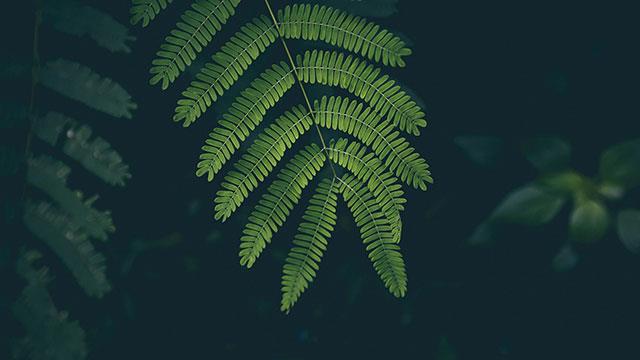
481, 150
629, 229
530, 205
620, 164
566, 259
589, 221
547, 154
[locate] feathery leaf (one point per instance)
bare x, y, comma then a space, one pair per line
276, 204
146, 10
309, 243
307, 22
197, 28
376, 233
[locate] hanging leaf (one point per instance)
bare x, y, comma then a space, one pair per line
589, 221
547, 153
80, 83
620, 164
76, 19
531, 205
629, 229
49, 333
94, 153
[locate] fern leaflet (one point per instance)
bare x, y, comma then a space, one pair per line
309, 243
146, 10
197, 28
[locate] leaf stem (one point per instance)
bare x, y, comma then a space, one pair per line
304, 92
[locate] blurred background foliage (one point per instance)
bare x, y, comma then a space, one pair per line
525, 248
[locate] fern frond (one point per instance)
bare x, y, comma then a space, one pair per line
341, 29
330, 68
365, 124
364, 81
146, 10
71, 243
50, 176
197, 28
376, 233
276, 204
95, 154
308, 22
260, 159
244, 115
371, 171
79, 20
50, 334
309, 243
82, 84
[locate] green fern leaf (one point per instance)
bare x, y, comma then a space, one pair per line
370, 170
330, 68
364, 123
146, 10
197, 28
82, 84
95, 154
71, 243
307, 22
276, 204
76, 19
364, 81
245, 114
377, 235
309, 243
260, 159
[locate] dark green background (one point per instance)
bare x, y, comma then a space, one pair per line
510, 70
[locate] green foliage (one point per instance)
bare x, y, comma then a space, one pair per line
49, 332
146, 10
71, 243
197, 28
530, 205
307, 22
366, 171
310, 242
548, 154
377, 234
592, 199
94, 153
589, 221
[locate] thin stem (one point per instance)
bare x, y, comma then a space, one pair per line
35, 70
304, 92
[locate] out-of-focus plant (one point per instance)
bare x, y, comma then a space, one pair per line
62, 218
593, 199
